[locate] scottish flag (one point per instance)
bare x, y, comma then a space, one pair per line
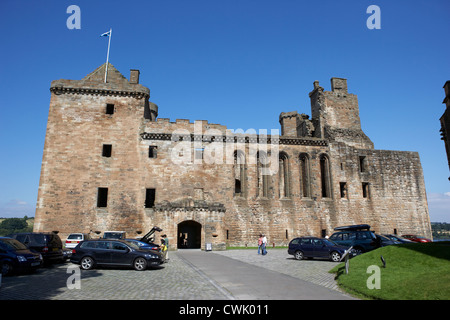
106, 34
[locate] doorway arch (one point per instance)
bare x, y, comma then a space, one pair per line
189, 235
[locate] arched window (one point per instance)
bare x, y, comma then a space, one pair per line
325, 176
283, 175
305, 185
262, 174
239, 173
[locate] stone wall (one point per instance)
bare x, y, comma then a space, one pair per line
182, 176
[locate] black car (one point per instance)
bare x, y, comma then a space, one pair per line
313, 247
359, 236
15, 256
91, 253
48, 244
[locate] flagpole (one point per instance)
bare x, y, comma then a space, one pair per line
107, 55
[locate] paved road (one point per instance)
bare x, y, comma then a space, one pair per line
188, 275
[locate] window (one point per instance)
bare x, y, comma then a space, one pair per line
362, 164
150, 198
304, 176
109, 108
102, 197
152, 151
365, 189
343, 189
107, 150
119, 246
325, 176
305, 241
198, 153
283, 171
239, 172
262, 173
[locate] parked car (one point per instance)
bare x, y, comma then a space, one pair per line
107, 252
150, 238
120, 235
398, 238
144, 245
416, 238
75, 238
15, 256
359, 236
48, 244
383, 241
312, 247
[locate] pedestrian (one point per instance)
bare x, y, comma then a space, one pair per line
166, 243
264, 244
260, 243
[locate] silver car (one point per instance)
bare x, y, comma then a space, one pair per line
75, 238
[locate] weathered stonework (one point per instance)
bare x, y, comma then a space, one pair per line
203, 183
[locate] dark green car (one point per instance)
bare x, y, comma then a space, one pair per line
359, 236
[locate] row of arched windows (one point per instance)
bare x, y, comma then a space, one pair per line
263, 179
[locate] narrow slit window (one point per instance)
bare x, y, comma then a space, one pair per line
365, 189
102, 197
152, 151
109, 108
343, 188
362, 164
150, 196
107, 150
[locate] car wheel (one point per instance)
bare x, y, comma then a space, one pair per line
6, 269
87, 263
335, 256
140, 264
298, 255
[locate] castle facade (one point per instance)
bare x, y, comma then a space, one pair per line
110, 163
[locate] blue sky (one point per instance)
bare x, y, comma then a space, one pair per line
239, 63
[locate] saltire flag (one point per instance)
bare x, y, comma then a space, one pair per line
106, 34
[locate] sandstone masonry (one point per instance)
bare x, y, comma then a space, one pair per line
110, 164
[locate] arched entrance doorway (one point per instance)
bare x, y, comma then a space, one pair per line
189, 235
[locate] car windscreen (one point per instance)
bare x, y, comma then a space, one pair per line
329, 242
75, 237
12, 244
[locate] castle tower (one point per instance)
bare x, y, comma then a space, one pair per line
335, 114
91, 145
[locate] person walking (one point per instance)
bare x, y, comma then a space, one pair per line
260, 243
165, 241
264, 243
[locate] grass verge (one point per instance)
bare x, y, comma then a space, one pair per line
418, 271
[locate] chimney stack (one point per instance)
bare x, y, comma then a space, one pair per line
134, 76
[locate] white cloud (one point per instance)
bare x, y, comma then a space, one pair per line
16, 208
439, 207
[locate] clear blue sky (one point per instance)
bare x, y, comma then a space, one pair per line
234, 62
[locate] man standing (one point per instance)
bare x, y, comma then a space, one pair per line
264, 243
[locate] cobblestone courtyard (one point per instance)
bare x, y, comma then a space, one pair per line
178, 279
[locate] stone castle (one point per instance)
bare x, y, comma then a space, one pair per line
110, 163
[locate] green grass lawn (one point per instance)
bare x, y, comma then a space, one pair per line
418, 271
